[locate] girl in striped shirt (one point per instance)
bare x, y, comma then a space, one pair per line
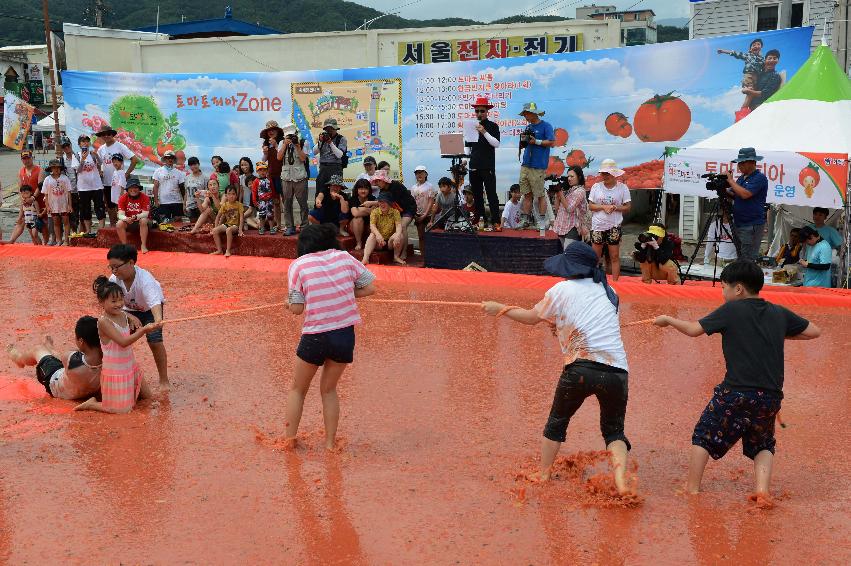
121, 381
323, 284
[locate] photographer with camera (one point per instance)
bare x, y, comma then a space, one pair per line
535, 142
331, 148
654, 252
749, 192
294, 172
483, 163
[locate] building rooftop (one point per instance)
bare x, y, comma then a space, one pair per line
210, 28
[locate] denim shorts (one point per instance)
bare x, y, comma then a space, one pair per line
731, 415
580, 380
147, 317
335, 345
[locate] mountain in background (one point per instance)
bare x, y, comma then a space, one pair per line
21, 21
673, 22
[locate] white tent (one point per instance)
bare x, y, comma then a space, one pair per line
46, 124
811, 113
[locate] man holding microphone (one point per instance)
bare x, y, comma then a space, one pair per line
483, 164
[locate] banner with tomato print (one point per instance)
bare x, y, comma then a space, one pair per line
802, 179
626, 104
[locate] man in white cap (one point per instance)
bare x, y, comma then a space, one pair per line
539, 138
331, 149
105, 152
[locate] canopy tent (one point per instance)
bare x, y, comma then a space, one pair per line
810, 113
46, 124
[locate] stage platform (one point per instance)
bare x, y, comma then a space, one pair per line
250, 244
509, 251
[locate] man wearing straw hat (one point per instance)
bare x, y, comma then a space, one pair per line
539, 138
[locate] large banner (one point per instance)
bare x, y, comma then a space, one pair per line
802, 179
17, 117
625, 104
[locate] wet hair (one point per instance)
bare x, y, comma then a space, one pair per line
580, 175
362, 183
231, 189
224, 167
515, 188
86, 330
745, 273
25, 189
382, 165
774, 52
105, 289
757, 40
808, 232
822, 210
123, 252
451, 183
317, 238
250, 164
193, 161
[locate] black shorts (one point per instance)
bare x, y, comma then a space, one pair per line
335, 345
169, 211
47, 366
582, 379
731, 415
277, 185
147, 317
193, 213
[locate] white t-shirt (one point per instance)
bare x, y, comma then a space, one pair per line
169, 180
511, 214
586, 320
119, 183
144, 293
194, 183
76, 381
88, 179
600, 194
105, 154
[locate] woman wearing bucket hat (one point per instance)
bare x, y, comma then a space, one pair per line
583, 310
608, 201
424, 193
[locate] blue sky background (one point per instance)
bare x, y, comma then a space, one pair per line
578, 91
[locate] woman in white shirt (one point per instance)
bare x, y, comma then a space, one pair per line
608, 201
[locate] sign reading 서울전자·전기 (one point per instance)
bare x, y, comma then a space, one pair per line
479, 49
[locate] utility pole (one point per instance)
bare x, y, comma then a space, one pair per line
51, 69
99, 9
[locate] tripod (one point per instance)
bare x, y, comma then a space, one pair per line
720, 207
460, 221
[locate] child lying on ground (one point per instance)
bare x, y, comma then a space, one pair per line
78, 377
745, 404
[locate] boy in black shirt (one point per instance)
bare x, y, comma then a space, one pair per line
746, 403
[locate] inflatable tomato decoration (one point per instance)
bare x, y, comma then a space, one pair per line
662, 118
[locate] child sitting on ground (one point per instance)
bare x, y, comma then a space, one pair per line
229, 221
790, 252
745, 404
134, 206
323, 284
512, 211
29, 217
332, 205
121, 379
263, 200
79, 376
385, 226
209, 206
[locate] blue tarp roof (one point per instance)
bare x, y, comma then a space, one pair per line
219, 25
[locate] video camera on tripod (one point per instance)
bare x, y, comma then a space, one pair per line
716, 182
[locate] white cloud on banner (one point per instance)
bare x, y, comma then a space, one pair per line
617, 81
727, 102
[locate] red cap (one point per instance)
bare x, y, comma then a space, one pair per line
482, 101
